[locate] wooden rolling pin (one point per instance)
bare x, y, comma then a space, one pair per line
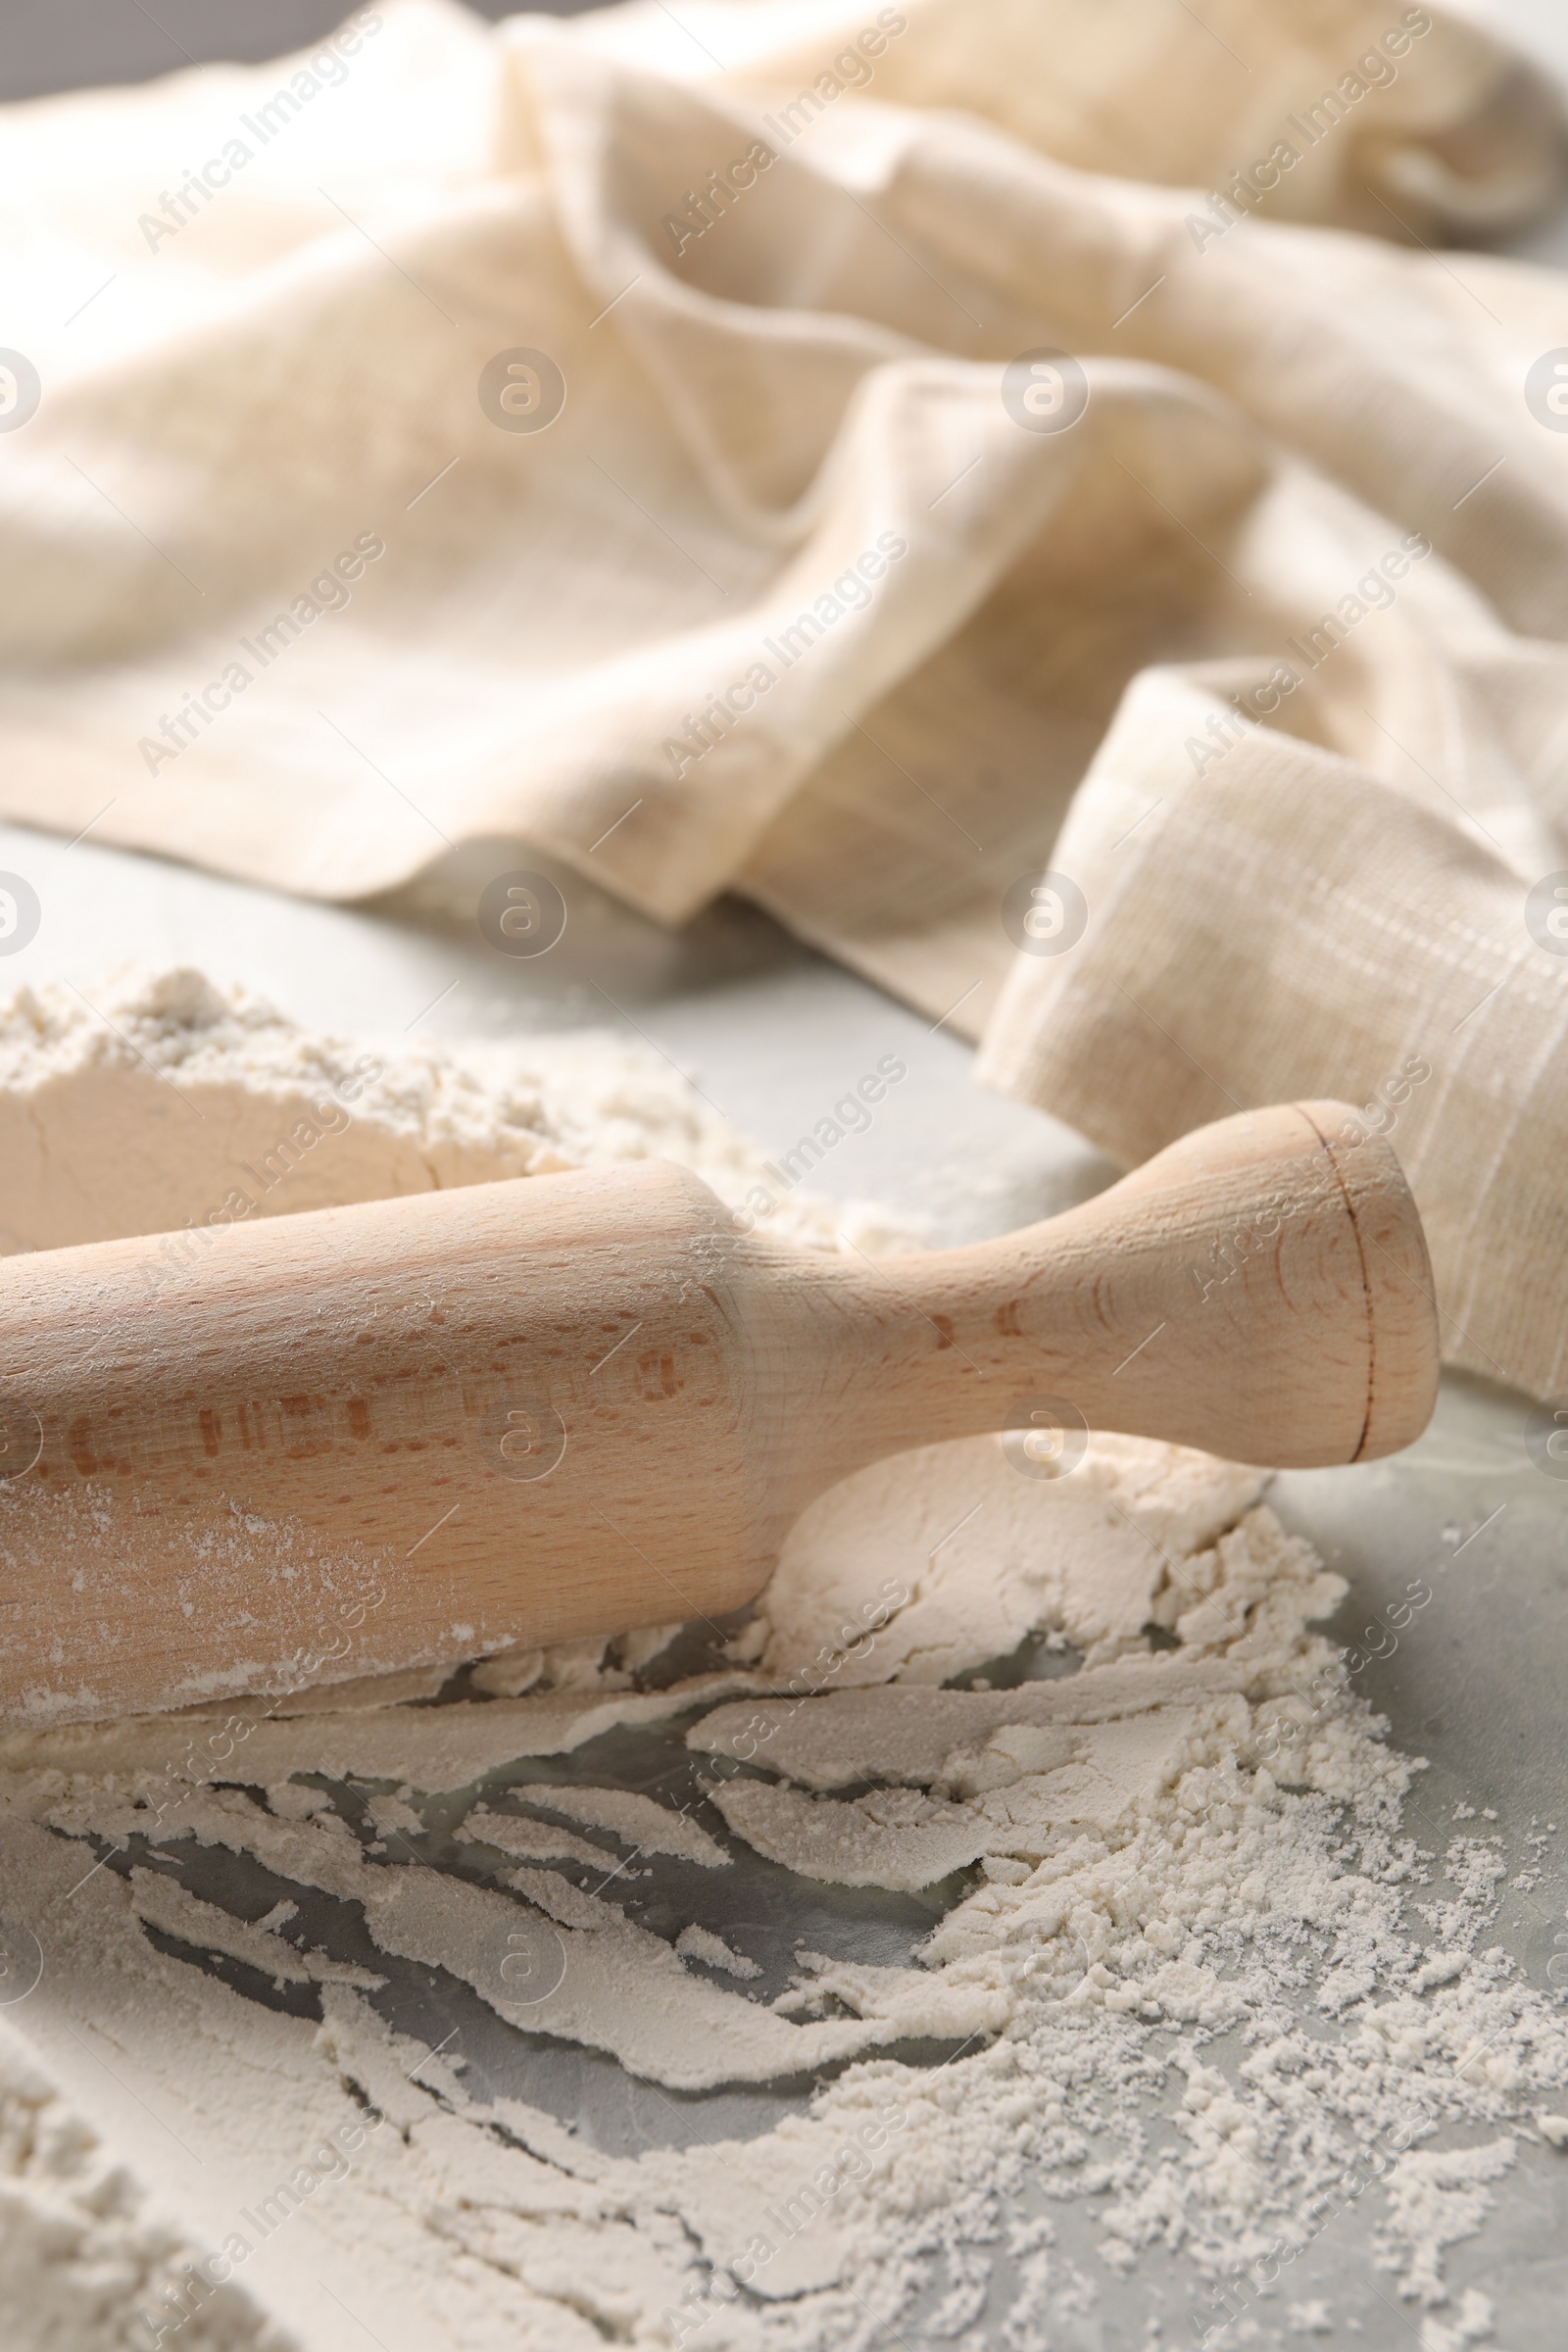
421, 1429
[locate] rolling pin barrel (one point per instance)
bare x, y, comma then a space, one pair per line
413, 1431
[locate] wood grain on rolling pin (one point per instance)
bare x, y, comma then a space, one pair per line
572, 1404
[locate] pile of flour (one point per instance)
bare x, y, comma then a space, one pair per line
219, 2128
166, 1103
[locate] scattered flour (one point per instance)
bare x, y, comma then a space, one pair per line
647, 1827
696, 1942
262, 2111
528, 1841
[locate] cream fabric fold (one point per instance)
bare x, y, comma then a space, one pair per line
804, 586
